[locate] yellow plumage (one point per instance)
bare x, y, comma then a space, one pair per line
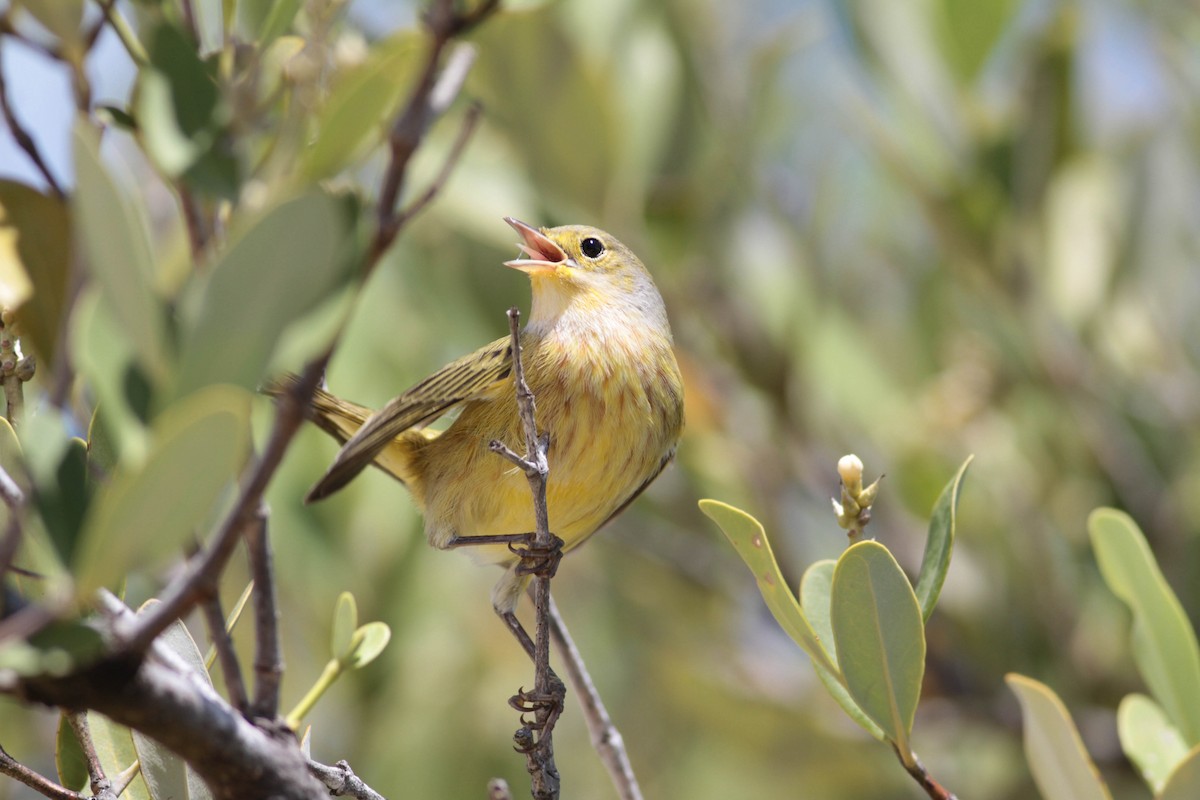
598, 357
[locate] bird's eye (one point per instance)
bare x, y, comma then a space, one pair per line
592, 247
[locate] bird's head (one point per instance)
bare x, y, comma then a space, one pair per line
577, 267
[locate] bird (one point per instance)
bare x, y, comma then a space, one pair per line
598, 356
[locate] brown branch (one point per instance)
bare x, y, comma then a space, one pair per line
231, 671
546, 701
101, 785
268, 658
25, 141
917, 770
341, 781
606, 739
193, 217
14, 769
469, 124
430, 97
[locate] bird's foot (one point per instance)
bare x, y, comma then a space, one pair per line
537, 559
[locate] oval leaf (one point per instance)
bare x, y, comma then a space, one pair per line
147, 512
880, 638
1184, 782
69, 759
369, 641
1060, 765
939, 544
1152, 743
747, 536
284, 266
815, 589
345, 621
117, 250
361, 99
1163, 641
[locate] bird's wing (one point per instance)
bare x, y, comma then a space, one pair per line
469, 377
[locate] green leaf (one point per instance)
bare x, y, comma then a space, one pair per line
361, 100
939, 545
1163, 641
69, 760
114, 746
263, 21
63, 502
60, 17
368, 643
747, 536
35, 251
149, 511
1060, 765
177, 102
880, 638
167, 775
345, 621
1184, 782
969, 29
106, 359
117, 249
283, 267
1149, 739
815, 590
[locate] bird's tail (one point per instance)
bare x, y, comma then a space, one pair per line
341, 419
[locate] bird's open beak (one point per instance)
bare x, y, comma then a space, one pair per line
544, 255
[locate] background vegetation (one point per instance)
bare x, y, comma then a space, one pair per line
912, 231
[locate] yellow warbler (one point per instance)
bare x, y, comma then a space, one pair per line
598, 357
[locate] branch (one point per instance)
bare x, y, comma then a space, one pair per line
231, 671
546, 701
14, 769
470, 122
430, 98
606, 739
932, 788
158, 694
268, 660
341, 781
101, 785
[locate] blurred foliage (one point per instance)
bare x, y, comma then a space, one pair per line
911, 231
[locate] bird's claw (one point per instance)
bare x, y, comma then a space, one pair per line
536, 559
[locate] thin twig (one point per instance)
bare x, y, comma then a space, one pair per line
193, 216
539, 748
341, 781
125, 33
606, 739
268, 659
83, 734
25, 141
431, 96
932, 788
14, 769
469, 124
231, 671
